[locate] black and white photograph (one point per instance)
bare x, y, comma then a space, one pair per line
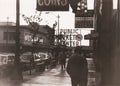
59, 43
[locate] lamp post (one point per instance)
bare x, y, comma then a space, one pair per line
7, 32
58, 20
57, 34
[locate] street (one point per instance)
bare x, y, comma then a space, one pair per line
50, 77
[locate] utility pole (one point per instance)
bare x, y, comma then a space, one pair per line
18, 71
70, 40
7, 32
58, 23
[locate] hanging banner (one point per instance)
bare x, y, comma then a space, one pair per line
52, 5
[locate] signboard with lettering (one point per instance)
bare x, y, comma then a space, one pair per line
52, 5
83, 22
28, 39
82, 13
72, 37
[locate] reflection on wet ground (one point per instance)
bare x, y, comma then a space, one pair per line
50, 77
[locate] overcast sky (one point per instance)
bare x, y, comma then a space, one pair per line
28, 7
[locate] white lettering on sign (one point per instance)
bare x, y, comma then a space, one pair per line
52, 2
72, 43
69, 31
29, 38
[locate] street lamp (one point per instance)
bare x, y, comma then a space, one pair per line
57, 34
7, 32
58, 20
58, 23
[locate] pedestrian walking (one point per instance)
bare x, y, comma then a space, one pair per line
62, 59
48, 60
77, 68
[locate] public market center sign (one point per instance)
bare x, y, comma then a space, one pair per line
52, 5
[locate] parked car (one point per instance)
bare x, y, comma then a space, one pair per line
6, 59
6, 64
25, 62
36, 61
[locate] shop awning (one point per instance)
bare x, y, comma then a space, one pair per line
91, 36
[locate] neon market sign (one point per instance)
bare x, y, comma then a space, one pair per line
52, 5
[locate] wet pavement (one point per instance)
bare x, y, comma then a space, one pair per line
50, 77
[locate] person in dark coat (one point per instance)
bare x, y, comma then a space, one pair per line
77, 68
62, 58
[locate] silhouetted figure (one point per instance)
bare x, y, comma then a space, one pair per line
77, 68
62, 59
48, 60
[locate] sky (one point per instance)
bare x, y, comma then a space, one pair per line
28, 8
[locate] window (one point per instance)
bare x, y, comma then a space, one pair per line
9, 36
5, 36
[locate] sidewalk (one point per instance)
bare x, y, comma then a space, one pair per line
51, 77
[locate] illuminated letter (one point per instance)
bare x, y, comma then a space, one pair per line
64, 2
58, 2
47, 2
40, 2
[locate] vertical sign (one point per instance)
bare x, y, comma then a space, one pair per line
83, 16
81, 22
52, 5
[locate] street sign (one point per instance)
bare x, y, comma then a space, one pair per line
79, 37
52, 5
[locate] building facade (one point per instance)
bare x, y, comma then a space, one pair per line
107, 42
43, 38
